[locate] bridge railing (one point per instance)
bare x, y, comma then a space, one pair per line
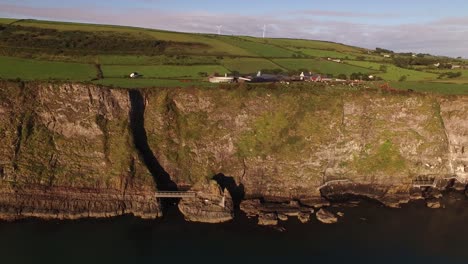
175, 194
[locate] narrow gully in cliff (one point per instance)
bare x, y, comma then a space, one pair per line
140, 139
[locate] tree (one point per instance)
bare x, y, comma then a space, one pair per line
342, 76
402, 78
380, 50
383, 68
402, 62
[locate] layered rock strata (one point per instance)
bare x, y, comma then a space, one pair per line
67, 152
311, 145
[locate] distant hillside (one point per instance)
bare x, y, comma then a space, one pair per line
106, 54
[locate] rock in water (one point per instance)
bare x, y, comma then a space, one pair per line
211, 205
269, 219
433, 204
303, 217
282, 217
326, 217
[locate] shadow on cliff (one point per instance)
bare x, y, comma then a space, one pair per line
237, 192
137, 124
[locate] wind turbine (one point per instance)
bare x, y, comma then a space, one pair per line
219, 29
264, 31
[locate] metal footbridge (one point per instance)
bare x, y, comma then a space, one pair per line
424, 181
175, 194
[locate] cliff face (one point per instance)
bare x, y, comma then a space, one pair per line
67, 152
294, 144
455, 118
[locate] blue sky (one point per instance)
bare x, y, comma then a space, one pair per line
438, 27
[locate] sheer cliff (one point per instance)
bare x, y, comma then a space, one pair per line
76, 150
67, 152
304, 144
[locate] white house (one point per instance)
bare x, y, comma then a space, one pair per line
222, 79
386, 56
334, 60
134, 75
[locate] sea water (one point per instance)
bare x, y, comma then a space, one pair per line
367, 233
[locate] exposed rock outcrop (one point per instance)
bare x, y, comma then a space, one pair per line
311, 146
326, 217
268, 219
304, 144
67, 152
211, 204
434, 204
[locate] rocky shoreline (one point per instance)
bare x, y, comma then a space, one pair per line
75, 203
271, 213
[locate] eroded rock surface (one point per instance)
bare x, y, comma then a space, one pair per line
67, 152
307, 145
304, 145
211, 204
326, 217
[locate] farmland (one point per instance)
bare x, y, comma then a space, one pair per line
162, 71
249, 65
394, 73
12, 68
321, 66
44, 50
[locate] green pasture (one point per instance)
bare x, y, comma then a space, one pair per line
324, 53
156, 60
212, 46
248, 65
150, 82
11, 68
259, 48
321, 66
394, 73
7, 20
162, 71
314, 44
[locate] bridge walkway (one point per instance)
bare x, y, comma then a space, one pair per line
175, 194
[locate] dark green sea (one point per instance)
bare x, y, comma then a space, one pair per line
368, 233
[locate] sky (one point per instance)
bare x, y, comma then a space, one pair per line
422, 26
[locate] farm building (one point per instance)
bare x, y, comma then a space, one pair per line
221, 79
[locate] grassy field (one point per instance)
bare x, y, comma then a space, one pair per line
11, 68
394, 73
315, 44
249, 65
321, 66
259, 48
145, 83
7, 20
213, 45
156, 60
324, 53
462, 79
162, 71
